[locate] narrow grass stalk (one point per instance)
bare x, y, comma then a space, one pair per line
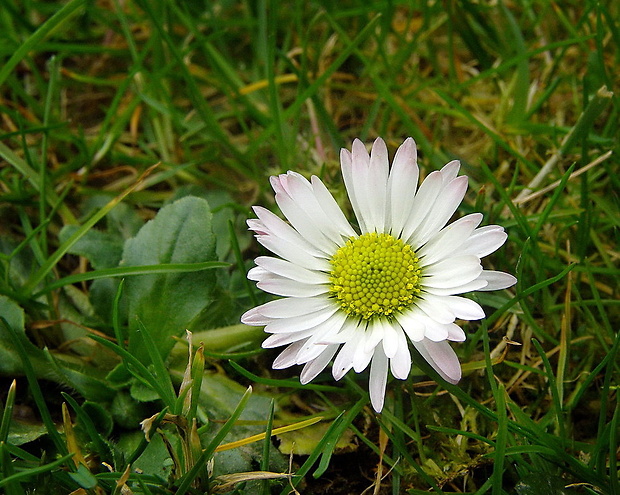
318, 82
129, 271
264, 462
49, 264
162, 376
314, 455
138, 370
201, 462
583, 125
36, 39
35, 389
500, 441
555, 395
34, 178
7, 413
36, 471
99, 443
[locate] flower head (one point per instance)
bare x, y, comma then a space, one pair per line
358, 296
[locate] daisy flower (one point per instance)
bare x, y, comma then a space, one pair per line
359, 295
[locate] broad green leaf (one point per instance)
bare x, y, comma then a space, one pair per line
168, 303
126, 412
541, 484
21, 433
155, 460
219, 397
103, 246
10, 362
102, 249
82, 374
84, 477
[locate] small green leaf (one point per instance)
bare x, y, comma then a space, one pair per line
21, 433
10, 362
84, 477
126, 412
102, 249
541, 484
168, 303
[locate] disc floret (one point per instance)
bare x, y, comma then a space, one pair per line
374, 275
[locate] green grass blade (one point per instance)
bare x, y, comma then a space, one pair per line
264, 462
207, 453
314, 455
555, 393
36, 471
35, 390
500, 442
34, 178
51, 262
128, 271
7, 413
281, 383
136, 368
34, 41
159, 368
334, 436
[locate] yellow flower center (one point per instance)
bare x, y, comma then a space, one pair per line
374, 275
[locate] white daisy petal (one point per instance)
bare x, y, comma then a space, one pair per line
436, 331
378, 379
378, 177
422, 206
347, 331
330, 209
437, 308
413, 324
344, 360
464, 308
374, 334
280, 286
285, 308
303, 224
451, 196
316, 343
309, 352
254, 317
291, 270
400, 363
280, 339
449, 240
258, 273
441, 357
364, 189
484, 241
257, 227
362, 356
296, 323
286, 358
274, 227
477, 284
321, 209
318, 364
456, 333
293, 253
346, 165
450, 170
497, 280
391, 339
452, 272
402, 185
